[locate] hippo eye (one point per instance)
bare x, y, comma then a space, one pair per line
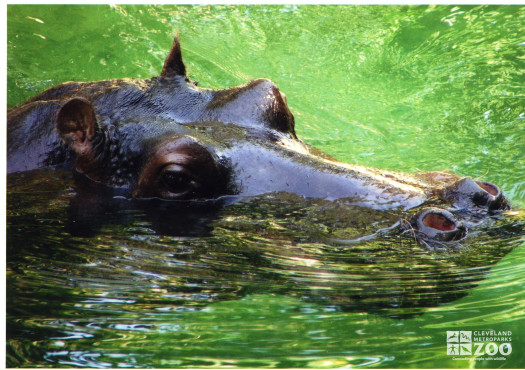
180, 168
176, 181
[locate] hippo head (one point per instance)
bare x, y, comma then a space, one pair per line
168, 138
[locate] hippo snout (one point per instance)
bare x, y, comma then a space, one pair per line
468, 194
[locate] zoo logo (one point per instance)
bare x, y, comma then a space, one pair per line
462, 343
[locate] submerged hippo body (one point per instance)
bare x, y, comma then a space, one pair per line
166, 138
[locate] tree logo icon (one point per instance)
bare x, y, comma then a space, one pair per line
466, 349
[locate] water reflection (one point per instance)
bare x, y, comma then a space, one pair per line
185, 255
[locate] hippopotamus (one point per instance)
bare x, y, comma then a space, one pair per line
168, 138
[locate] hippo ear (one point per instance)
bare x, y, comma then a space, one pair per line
77, 125
174, 66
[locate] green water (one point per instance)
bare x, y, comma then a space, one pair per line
274, 282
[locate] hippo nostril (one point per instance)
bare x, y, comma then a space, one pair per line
467, 193
440, 225
438, 221
492, 197
489, 188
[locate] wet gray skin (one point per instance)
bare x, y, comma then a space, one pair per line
167, 138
